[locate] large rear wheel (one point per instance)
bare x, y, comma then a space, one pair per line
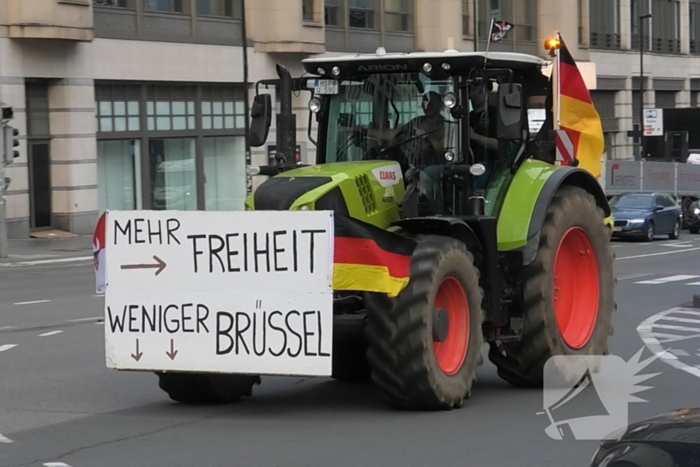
197, 388
424, 346
568, 292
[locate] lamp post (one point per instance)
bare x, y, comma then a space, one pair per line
641, 82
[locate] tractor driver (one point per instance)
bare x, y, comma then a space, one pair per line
482, 129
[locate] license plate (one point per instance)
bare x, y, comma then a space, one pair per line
617, 229
326, 87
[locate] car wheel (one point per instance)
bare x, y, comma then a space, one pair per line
649, 232
676, 230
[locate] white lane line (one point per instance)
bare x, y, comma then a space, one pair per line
659, 254
680, 320
634, 276
46, 261
5, 328
693, 283
50, 333
677, 245
665, 280
56, 464
3, 439
82, 319
7, 347
33, 302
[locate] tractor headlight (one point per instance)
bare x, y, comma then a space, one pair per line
335, 71
450, 100
477, 170
697, 211
315, 104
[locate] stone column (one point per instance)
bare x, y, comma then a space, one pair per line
685, 27
626, 24
73, 155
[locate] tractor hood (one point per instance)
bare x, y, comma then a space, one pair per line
368, 191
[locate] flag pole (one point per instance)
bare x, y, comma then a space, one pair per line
488, 42
555, 82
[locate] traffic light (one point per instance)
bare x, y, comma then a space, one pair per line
11, 140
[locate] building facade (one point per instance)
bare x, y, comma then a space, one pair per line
140, 104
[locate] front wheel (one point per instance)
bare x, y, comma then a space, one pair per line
568, 292
649, 232
676, 233
425, 345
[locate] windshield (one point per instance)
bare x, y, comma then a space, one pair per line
376, 116
632, 202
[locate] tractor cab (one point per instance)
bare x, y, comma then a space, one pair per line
455, 123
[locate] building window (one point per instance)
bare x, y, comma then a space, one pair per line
362, 14
694, 17
37, 97
222, 108
169, 6
119, 175
224, 161
333, 12
171, 108
525, 20
466, 18
666, 26
223, 8
307, 7
665, 99
398, 15
605, 23
131, 4
605, 105
173, 173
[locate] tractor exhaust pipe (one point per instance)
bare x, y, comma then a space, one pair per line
286, 120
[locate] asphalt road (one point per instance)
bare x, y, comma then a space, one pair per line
60, 405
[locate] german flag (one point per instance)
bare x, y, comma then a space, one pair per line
580, 134
369, 259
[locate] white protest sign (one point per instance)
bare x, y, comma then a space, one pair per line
246, 292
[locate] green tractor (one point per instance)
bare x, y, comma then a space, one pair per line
434, 150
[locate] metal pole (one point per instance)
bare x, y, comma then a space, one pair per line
476, 25
641, 84
246, 99
3, 185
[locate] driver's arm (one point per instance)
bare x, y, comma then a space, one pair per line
485, 141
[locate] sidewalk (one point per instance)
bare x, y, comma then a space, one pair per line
48, 250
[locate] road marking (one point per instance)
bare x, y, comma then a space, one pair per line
654, 340
47, 261
5, 328
693, 283
665, 280
56, 464
7, 347
50, 333
658, 254
677, 245
33, 302
4, 439
634, 276
82, 319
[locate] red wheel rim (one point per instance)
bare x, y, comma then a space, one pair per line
450, 353
576, 288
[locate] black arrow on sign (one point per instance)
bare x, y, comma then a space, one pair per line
172, 352
159, 266
138, 355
